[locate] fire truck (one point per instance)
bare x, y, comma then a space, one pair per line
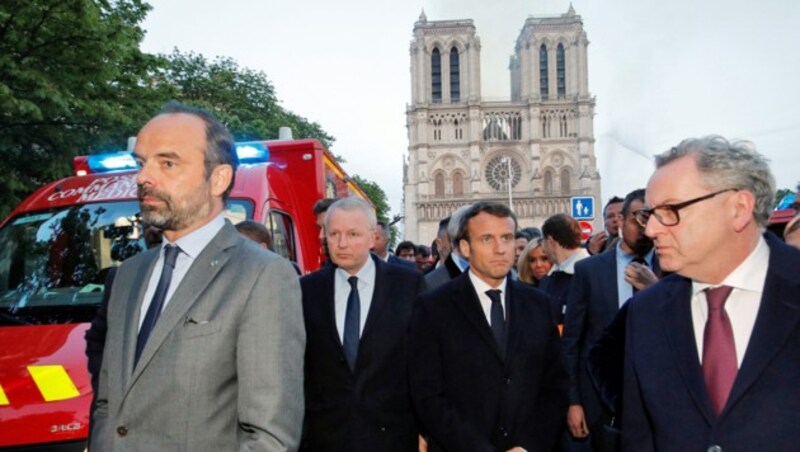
57, 246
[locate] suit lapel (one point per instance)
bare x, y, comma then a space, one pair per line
677, 315
133, 307
608, 282
467, 301
203, 270
777, 319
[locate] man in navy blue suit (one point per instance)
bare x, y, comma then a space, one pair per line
484, 356
601, 284
713, 351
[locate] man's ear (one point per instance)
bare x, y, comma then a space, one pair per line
743, 204
221, 178
463, 247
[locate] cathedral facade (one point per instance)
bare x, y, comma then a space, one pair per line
534, 151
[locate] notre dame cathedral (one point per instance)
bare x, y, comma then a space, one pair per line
535, 150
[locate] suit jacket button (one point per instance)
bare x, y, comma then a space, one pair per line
715, 448
508, 381
383, 429
122, 431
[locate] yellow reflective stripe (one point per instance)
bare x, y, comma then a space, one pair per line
53, 382
3, 398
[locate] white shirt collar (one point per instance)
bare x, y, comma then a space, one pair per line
481, 286
748, 276
568, 266
193, 243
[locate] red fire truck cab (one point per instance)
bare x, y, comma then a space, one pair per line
57, 246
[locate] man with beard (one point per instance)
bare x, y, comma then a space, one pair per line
602, 284
204, 350
484, 360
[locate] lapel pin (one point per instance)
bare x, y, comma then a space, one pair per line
214, 263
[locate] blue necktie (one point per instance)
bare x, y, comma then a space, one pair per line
498, 320
352, 324
170, 255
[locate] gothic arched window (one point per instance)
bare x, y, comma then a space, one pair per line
436, 75
548, 182
438, 184
543, 85
565, 181
458, 183
455, 84
561, 73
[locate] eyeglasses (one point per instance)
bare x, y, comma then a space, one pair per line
667, 214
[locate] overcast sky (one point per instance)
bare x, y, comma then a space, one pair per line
661, 70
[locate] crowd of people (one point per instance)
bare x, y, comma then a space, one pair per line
677, 327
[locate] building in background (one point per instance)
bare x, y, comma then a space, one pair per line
464, 148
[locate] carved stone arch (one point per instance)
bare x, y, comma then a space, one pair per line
560, 157
455, 42
546, 41
566, 185
436, 43
456, 162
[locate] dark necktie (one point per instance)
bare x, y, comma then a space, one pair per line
719, 349
498, 321
157, 303
352, 324
638, 260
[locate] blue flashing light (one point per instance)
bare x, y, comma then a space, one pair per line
787, 201
252, 152
117, 161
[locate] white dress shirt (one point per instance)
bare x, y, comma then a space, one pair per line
486, 303
341, 290
742, 305
191, 245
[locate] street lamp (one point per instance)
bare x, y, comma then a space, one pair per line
510, 176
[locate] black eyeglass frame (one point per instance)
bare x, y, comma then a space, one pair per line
643, 215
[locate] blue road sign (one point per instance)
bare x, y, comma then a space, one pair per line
582, 207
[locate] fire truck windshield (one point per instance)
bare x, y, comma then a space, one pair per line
53, 263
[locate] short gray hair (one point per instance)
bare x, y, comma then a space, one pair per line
352, 203
729, 164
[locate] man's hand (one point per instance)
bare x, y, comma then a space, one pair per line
576, 421
640, 276
597, 242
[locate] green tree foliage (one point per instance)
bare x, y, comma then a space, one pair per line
74, 81
72, 78
243, 99
378, 197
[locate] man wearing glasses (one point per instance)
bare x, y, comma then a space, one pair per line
713, 351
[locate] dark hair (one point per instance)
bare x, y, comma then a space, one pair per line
564, 229
636, 195
443, 226
322, 205
424, 251
521, 234
492, 208
255, 231
220, 147
613, 200
405, 245
533, 232
384, 227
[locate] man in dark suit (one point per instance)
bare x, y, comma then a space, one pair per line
485, 360
454, 263
205, 333
381, 247
601, 284
356, 315
713, 351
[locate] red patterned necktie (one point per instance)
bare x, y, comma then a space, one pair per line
719, 349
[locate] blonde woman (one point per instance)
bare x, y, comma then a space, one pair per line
533, 264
